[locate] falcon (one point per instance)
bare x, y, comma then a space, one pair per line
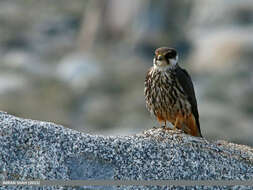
169, 93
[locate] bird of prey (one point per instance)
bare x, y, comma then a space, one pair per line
169, 93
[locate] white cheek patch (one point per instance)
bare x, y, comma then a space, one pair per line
154, 61
173, 62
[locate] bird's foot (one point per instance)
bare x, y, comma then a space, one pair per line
166, 128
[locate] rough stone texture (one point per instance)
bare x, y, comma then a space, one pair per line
42, 150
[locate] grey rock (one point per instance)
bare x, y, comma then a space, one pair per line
236, 13
78, 70
221, 50
11, 83
42, 150
26, 62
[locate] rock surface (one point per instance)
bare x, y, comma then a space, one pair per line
42, 150
73, 59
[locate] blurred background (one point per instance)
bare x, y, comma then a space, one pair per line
82, 64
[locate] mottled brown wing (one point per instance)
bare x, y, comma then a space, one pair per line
187, 85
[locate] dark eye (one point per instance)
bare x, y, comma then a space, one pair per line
159, 58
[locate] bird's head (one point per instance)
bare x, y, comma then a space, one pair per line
165, 58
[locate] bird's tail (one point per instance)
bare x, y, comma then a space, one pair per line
189, 125
193, 126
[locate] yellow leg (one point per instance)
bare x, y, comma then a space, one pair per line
176, 123
161, 124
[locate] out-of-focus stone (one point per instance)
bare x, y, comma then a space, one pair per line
221, 50
79, 71
10, 83
26, 63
